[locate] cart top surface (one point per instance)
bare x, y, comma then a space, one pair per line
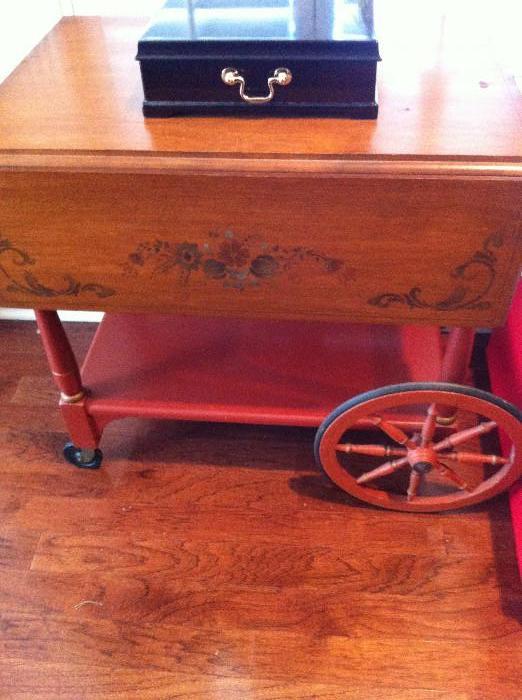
446, 92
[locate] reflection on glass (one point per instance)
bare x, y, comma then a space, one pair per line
301, 20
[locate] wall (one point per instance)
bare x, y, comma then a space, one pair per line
119, 8
22, 25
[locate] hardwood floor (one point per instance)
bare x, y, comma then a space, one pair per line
214, 561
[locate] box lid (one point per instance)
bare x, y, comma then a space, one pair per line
303, 28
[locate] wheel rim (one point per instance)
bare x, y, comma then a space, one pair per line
418, 453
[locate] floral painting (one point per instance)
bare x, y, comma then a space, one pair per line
238, 262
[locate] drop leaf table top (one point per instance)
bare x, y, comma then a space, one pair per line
412, 218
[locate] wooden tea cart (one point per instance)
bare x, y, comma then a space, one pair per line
291, 272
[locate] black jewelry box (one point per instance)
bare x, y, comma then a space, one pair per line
261, 57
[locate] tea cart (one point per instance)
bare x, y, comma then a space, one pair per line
287, 272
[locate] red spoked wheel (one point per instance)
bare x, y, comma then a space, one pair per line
393, 447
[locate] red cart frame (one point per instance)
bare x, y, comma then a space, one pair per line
300, 373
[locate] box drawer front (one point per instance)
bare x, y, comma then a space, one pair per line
367, 249
313, 82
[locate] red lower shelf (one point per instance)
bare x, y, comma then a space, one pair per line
228, 370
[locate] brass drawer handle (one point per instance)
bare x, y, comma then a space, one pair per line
231, 76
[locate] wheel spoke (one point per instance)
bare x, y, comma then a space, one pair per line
371, 450
429, 425
393, 432
464, 436
451, 475
383, 470
414, 484
475, 458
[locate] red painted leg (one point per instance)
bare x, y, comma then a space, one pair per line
81, 427
60, 356
455, 367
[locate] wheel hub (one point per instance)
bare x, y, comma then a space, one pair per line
422, 467
422, 459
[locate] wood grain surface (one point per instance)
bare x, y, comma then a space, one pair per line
414, 217
347, 248
210, 561
442, 92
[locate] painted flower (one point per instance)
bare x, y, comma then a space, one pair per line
239, 262
137, 259
264, 266
214, 269
233, 253
188, 256
333, 265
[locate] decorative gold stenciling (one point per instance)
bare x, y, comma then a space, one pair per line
238, 262
473, 280
21, 280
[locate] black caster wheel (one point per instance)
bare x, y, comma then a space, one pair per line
84, 459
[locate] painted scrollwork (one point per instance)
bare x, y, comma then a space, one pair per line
14, 264
472, 281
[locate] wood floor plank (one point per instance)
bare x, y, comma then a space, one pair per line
77, 682
463, 536
45, 418
97, 516
34, 390
258, 654
260, 563
210, 603
17, 548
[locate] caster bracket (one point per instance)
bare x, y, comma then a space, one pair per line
82, 458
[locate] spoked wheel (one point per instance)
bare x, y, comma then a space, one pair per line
395, 448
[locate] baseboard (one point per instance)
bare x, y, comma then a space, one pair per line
28, 315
